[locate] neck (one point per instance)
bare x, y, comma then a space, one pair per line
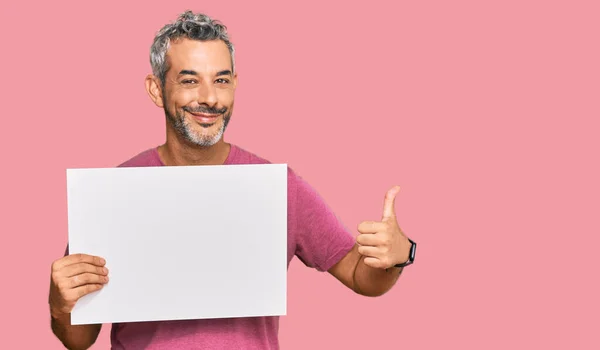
177, 152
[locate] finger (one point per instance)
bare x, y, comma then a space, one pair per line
369, 251
77, 269
77, 258
371, 227
388, 203
373, 262
79, 292
87, 278
369, 240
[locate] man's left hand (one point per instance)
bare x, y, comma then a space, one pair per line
382, 242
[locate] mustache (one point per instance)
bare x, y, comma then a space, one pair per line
205, 110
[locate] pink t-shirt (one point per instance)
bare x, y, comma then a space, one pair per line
315, 236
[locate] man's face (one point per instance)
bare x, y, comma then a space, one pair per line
198, 93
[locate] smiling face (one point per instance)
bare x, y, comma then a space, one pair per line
198, 91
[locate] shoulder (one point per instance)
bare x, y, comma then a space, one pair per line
241, 155
149, 157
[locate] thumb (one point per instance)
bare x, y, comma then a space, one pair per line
389, 210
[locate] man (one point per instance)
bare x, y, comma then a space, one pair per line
194, 80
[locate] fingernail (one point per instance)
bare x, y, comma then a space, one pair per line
105, 270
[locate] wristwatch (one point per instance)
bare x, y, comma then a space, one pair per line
411, 255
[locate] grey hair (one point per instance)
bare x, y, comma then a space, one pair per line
191, 26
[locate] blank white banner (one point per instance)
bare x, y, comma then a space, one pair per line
188, 242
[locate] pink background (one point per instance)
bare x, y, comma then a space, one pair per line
486, 113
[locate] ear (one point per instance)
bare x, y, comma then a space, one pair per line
153, 88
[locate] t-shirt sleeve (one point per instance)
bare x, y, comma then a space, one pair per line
322, 240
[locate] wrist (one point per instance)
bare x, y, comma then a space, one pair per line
59, 315
409, 255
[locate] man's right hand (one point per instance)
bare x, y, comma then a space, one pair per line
73, 277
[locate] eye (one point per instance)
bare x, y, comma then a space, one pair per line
222, 81
188, 81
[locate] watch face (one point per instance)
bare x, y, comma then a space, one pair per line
413, 250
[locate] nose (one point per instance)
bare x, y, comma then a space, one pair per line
207, 95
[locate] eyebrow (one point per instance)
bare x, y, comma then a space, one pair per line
192, 72
188, 72
224, 72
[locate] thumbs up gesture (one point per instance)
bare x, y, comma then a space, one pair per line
382, 243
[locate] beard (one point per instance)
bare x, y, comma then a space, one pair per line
189, 129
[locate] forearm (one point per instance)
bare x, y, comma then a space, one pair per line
74, 336
370, 281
